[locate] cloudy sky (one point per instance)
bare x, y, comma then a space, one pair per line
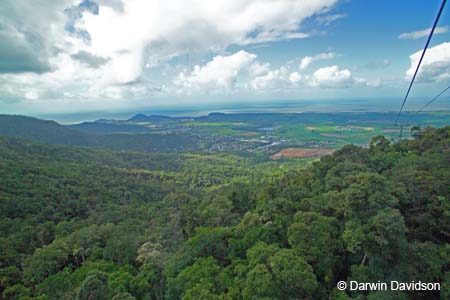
77, 56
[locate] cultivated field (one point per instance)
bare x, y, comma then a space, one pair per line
300, 152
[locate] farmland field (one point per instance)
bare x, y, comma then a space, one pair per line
300, 152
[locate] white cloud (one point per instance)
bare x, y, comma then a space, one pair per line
148, 32
295, 77
242, 72
238, 72
283, 80
257, 68
220, 73
329, 76
280, 79
264, 37
334, 77
30, 33
73, 83
422, 33
128, 36
272, 80
307, 60
374, 83
328, 19
435, 64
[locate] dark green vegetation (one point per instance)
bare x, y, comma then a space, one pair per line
95, 224
128, 137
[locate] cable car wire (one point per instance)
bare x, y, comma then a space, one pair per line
421, 58
432, 100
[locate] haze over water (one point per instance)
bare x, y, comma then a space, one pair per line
388, 105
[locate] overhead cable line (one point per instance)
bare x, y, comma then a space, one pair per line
432, 100
421, 58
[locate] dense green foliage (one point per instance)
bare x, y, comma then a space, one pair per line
90, 224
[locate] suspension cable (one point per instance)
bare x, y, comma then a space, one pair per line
421, 58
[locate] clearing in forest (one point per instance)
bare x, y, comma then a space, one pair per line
300, 152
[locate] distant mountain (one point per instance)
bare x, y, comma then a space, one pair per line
153, 118
44, 131
50, 132
108, 128
216, 114
138, 118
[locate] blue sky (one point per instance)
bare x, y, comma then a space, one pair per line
78, 56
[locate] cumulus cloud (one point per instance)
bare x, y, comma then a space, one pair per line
18, 55
92, 49
422, 33
240, 71
220, 73
257, 68
89, 59
295, 77
30, 34
71, 86
307, 60
435, 64
153, 31
282, 79
272, 80
334, 77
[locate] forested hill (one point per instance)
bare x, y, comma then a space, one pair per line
95, 225
51, 132
41, 131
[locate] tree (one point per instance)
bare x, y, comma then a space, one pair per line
292, 275
17, 292
258, 284
123, 296
316, 238
94, 287
46, 261
277, 274
204, 271
200, 292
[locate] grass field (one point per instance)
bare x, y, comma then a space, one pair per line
300, 153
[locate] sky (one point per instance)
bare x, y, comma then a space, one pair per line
72, 56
